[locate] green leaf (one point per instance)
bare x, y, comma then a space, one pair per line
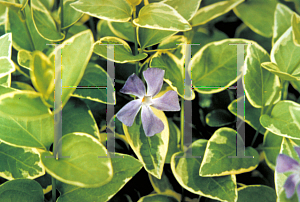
282, 22
284, 119
20, 162
287, 148
24, 190
84, 167
174, 71
71, 16
76, 53
263, 12
77, 117
214, 66
22, 39
24, 58
124, 169
44, 23
173, 140
286, 54
124, 30
48, 4
171, 43
260, 84
3, 14
219, 117
221, 145
272, 67
6, 66
158, 198
6, 80
163, 185
150, 37
271, 148
112, 10
122, 51
151, 151
103, 29
296, 29
5, 45
257, 193
208, 13
94, 75
186, 8
186, 172
42, 75
24, 104
21, 86
161, 16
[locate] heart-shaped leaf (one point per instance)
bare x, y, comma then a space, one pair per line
152, 161
222, 145
124, 30
258, 193
186, 172
271, 147
20, 162
284, 119
24, 190
83, 151
122, 50
77, 117
260, 84
44, 23
112, 10
215, 67
24, 58
296, 28
286, 54
282, 22
181, 7
161, 16
124, 169
263, 12
208, 13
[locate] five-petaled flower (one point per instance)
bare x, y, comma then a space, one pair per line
288, 164
135, 86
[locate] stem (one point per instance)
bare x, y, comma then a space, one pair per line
135, 42
284, 91
53, 189
255, 136
119, 81
182, 123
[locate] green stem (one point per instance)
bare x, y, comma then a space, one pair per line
119, 81
53, 189
182, 123
135, 41
284, 91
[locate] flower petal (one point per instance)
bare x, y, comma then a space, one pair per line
154, 78
135, 86
285, 163
151, 123
128, 113
167, 102
290, 186
297, 149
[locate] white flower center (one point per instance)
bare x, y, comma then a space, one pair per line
147, 100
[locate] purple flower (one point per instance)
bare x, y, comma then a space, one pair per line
288, 164
167, 102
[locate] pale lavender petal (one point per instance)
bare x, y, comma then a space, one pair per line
290, 186
128, 113
167, 102
151, 123
154, 78
135, 86
297, 149
285, 163
298, 192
